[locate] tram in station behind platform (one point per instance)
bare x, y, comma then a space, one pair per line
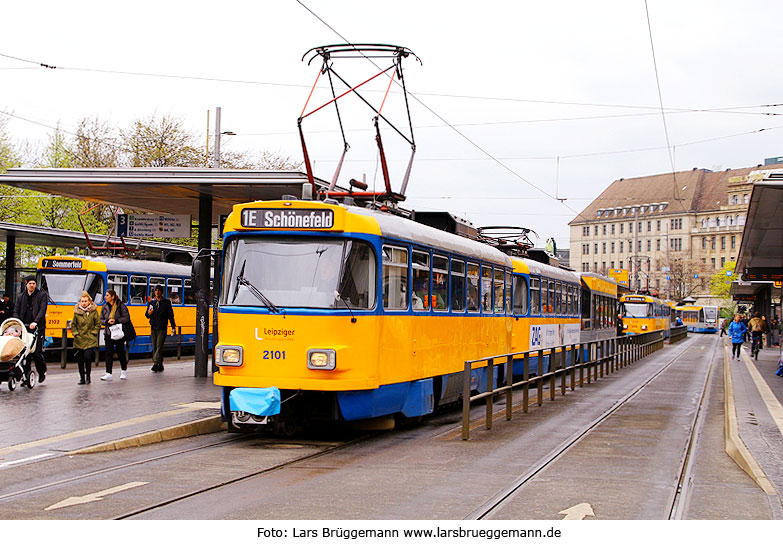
644, 313
65, 277
331, 312
699, 318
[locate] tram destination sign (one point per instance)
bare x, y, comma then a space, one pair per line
277, 218
153, 226
64, 264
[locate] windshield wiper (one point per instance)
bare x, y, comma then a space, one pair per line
242, 281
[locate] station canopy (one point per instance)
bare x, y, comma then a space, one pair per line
162, 190
761, 253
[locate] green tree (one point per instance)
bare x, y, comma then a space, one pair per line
161, 142
720, 286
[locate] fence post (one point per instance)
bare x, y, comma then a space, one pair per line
539, 380
574, 361
466, 402
603, 359
509, 384
582, 350
526, 379
563, 371
490, 387
553, 372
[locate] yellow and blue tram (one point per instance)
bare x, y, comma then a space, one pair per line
699, 318
65, 277
644, 313
345, 313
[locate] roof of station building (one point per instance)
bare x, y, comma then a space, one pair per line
697, 190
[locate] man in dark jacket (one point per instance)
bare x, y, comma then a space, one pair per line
159, 312
30, 307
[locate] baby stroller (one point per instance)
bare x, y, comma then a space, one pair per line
15, 352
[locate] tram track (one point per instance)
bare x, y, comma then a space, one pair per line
679, 495
241, 478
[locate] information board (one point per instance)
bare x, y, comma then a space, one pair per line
153, 226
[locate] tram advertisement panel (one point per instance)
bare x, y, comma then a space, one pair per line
543, 336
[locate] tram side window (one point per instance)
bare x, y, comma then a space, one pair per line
95, 287
569, 300
585, 307
174, 292
499, 295
395, 278
189, 294
520, 296
421, 281
138, 290
118, 283
486, 288
535, 297
357, 285
457, 285
473, 287
551, 301
156, 281
440, 283
563, 304
508, 293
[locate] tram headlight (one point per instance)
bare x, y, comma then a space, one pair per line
230, 356
321, 358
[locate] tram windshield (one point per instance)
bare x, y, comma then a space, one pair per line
300, 272
711, 313
65, 287
637, 310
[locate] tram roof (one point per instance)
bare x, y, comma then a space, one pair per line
129, 266
397, 227
161, 190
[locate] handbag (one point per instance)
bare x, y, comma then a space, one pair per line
129, 331
116, 333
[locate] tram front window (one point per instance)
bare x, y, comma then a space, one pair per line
637, 310
68, 287
300, 272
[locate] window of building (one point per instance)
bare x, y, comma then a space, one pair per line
630, 227
639, 246
621, 228
649, 226
603, 266
595, 248
613, 228
585, 267
729, 220
658, 244
658, 225
712, 243
740, 219
603, 247
586, 231
604, 229
649, 245
713, 262
639, 227
723, 243
621, 246
745, 198
611, 264
612, 247
733, 241
621, 264
595, 266
722, 262
703, 243
596, 231
719, 221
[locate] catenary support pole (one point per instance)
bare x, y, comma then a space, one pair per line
202, 295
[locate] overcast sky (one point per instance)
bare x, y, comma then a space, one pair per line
537, 81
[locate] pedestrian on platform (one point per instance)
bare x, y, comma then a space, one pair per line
756, 328
745, 321
775, 328
722, 327
6, 308
85, 326
159, 312
620, 328
737, 331
114, 312
30, 307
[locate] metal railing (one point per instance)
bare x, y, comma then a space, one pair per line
171, 342
603, 357
677, 333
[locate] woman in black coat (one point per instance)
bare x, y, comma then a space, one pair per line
114, 312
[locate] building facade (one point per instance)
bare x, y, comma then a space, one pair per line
672, 232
